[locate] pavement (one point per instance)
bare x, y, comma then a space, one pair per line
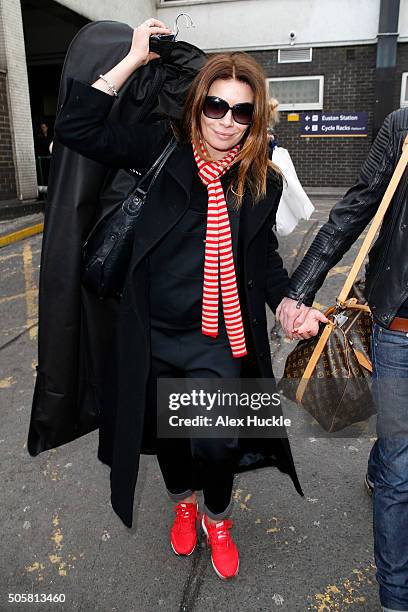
62, 539
13, 208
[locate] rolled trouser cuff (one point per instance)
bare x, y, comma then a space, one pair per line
220, 515
179, 496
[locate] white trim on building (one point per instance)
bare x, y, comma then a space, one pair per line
13, 61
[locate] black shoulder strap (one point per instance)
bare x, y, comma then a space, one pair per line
148, 179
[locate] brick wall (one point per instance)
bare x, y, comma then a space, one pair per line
349, 74
7, 173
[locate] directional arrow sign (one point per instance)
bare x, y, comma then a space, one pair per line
325, 124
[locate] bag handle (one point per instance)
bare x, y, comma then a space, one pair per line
376, 222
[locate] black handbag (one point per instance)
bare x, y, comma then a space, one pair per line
107, 250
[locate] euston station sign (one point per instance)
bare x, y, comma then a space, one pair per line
333, 124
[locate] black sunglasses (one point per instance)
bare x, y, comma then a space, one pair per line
217, 108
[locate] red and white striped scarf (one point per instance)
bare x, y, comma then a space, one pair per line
218, 252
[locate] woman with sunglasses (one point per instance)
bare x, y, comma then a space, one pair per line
209, 264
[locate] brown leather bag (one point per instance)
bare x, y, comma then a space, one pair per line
329, 375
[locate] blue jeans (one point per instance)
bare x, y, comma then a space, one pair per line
388, 466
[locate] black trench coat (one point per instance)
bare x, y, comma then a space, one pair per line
94, 357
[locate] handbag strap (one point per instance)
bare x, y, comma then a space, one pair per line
376, 222
341, 300
155, 168
314, 358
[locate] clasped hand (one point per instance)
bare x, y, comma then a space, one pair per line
299, 323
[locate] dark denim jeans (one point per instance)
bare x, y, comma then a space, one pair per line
388, 466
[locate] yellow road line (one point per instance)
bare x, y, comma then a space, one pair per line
20, 234
30, 289
9, 298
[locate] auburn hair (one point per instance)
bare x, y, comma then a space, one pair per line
252, 160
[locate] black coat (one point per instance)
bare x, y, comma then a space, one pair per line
105, 346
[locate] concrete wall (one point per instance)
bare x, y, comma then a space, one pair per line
13, 61
7, 170
132, 12
256, 24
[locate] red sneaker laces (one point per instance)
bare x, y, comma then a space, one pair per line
186, 515
218, 533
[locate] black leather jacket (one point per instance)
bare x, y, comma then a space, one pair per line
387, 269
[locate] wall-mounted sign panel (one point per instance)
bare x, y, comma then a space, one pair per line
324, 125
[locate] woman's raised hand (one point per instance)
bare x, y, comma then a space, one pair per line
139, 55
139, 50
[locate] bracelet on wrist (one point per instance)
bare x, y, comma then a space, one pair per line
111, 87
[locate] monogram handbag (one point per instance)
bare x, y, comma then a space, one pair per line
329, 374
107, 250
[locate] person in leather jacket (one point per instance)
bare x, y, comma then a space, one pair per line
386, 291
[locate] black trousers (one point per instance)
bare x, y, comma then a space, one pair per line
193, 464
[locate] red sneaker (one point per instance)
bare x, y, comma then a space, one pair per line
183, 534
224, 553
